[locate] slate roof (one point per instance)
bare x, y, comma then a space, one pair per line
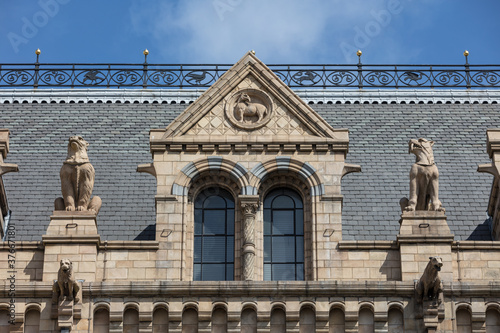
118, 137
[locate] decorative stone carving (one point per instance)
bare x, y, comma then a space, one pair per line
66, 287
430, 287
249, 109
424, 179
77, 180
249, 205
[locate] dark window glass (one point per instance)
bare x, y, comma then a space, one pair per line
283, 236
213, 236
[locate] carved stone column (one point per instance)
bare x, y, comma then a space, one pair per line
249, 205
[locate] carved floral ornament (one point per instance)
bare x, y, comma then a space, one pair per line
249, 109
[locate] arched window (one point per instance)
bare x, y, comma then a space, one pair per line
4, 321
101, 321
32, 321
283, 236
464, 322
190, 321
160, 320
219, 321
131, 321
366, 321
396, 323
278, 321
248, 321
337, 321
492, 321
214, 236
307, 320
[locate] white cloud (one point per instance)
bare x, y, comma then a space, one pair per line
280, 31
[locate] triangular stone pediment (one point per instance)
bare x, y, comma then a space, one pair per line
249, 103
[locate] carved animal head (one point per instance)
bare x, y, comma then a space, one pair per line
77, 150
244, 98
66, 266
422, 148
436, 262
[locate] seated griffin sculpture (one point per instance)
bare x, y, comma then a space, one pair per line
77, 180
430, 286
424, 179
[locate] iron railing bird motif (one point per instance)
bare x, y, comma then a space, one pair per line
202, 76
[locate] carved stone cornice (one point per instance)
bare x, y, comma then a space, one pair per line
254, 288
310, 96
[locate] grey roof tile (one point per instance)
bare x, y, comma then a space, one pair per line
118, 136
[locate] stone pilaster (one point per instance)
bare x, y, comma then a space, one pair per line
249, 205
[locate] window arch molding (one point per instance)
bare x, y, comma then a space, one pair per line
33, 306
160, 305
190, 305
278, 305
463, 306
493, 306
212, 166
249, 305
131, 305
101, 305
284, 165
208, 180
398, 305
337, 306
308, 305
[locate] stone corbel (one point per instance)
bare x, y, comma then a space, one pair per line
4, 149
147, 168
350, 168
493, 148
8, 167
249, 205
488, 168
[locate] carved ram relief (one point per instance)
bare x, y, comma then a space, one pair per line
249, 109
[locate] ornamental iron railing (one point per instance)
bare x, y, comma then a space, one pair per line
146, 75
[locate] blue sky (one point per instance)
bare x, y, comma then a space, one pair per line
280, 31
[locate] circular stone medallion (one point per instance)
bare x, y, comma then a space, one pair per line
249, 109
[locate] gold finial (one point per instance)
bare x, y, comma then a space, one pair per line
145, 52
466, 53
359, 53
253, 52
37, 52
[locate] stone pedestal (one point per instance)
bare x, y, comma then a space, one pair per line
65, 311
73, 236
432, 315
424, 234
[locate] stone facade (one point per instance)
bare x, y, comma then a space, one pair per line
250, 135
